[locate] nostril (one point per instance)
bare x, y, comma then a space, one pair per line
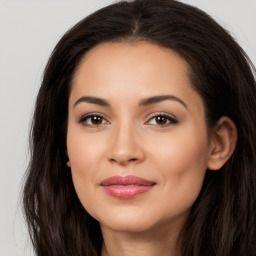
132, 159
112, 160
122, 161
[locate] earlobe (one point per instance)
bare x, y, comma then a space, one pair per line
222, 144
68, 162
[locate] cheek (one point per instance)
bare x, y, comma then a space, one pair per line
182, 163
185, 149
84, 150
183, 166
84, 154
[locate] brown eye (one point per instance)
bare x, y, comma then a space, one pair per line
93, 120
162, 120
96, 120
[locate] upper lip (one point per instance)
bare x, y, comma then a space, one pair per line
126, 181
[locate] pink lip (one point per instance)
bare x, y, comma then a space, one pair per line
126, 187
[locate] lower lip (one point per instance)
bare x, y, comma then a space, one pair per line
126, 192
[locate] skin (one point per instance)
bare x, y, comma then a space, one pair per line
128, 140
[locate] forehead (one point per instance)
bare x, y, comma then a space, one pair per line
117, 71
137, 63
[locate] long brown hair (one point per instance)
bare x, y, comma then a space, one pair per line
222, 221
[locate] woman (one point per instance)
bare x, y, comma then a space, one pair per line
143, 140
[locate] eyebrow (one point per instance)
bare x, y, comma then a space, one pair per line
156, 99
144, 102
93, 100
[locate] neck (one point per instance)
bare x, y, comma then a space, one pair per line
150, 243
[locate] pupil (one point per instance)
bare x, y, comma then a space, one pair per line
96, 119
161, 120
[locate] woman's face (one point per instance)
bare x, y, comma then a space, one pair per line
137, 138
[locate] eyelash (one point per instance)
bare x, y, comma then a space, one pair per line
90, 116
167, 117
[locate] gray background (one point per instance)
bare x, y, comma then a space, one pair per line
28, 32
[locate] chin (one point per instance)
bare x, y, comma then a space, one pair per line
128, 225
126, 220
139, 221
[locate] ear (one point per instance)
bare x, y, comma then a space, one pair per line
68, 162
222, 144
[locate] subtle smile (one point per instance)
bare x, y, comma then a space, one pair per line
126, 187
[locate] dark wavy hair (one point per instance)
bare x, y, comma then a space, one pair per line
222, 221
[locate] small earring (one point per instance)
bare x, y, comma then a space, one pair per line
68, 164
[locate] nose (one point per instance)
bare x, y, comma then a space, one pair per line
125, 147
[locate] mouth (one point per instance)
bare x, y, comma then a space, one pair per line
126, 187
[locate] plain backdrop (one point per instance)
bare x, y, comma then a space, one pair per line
28, 32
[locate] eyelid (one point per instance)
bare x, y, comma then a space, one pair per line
92, 114
173, 120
